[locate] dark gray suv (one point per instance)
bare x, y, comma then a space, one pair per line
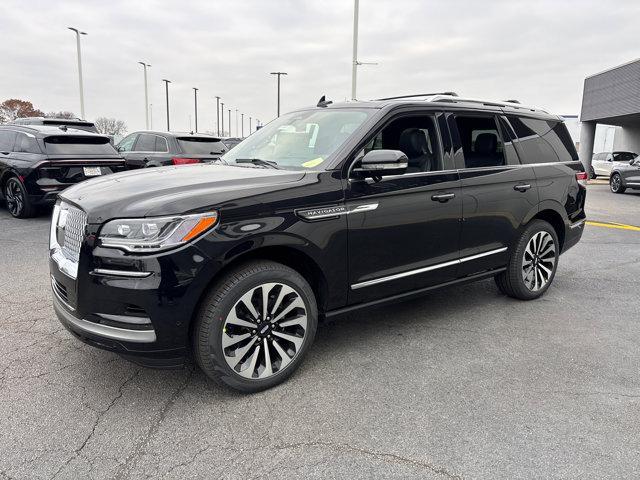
625, 175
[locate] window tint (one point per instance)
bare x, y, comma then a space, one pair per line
26, 144
533, 147
161, 144
481, 142
126, 144
78, 145
624, 156
145, 143
416, 137
7, 140
508, 135
206, 146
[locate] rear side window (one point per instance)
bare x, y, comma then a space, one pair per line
26, 144
202, 146
624, 156
161, 144
481, 143
78, 145
145, 143
543, 141
7, 140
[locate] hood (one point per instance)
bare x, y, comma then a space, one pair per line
172, 190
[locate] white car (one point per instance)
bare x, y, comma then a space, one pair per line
603, 163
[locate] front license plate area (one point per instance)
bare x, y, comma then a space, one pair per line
92, 171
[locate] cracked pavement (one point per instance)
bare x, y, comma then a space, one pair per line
463, 383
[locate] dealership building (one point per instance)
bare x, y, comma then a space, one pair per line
611, 98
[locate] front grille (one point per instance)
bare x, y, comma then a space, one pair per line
74, 228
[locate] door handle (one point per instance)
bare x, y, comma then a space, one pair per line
522, 187
443, 197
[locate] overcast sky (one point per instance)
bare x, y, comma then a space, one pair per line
536, 51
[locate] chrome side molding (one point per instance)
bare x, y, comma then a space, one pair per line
119, 273
417, 271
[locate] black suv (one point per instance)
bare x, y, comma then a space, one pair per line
38, 162
323, 211
157, 149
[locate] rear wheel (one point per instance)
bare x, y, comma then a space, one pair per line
255, 326
592, 173
533, 263
18, 203
615, 183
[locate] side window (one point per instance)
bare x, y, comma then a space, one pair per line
126, 144
145, 143
609, 158
508, 135
7, 140
534, 148
417, 137
481, 143
26, 144
161, 144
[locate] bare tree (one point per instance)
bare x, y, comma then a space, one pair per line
16, 108
110, 126
61, 114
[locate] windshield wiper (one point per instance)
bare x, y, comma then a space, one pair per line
258, 161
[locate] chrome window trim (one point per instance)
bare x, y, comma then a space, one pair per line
417, 271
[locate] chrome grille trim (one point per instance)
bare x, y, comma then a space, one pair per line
74, 231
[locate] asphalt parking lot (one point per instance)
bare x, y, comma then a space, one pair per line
463, 383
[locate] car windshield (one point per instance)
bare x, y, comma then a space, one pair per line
299, 140
624, 156
202, 146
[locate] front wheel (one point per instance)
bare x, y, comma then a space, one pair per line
615, 183
592, 174
533, 263
255, 326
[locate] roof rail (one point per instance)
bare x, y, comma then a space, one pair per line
489, 103
451, 94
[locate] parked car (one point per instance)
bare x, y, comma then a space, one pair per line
323, 211
76, 123
231, 142
625, 175
603, 163
38, 162
156, 149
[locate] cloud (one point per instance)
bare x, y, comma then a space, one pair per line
536, 51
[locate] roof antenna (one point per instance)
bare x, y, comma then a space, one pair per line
323, 102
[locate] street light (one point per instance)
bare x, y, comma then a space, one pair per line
166, 88
236, 122
242, 124
356, 63
78, 33
146, 95
279, 74
151, 115
218, 114
222, 103
195, 99
249, 125
229, 122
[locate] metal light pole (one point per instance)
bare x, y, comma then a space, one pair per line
229, 122
166, 88
249, 125
242, 124
146, 95
279, 74
236, 122
195, 100
218, 114
222, 116
151, 115
356, 63
78, 33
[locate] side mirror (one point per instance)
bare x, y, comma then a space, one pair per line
378, 163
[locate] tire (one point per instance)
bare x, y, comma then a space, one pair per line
592, 174
615, 183
17, 200
533, 248
233, 309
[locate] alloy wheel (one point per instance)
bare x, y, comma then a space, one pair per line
616, 181
14, 197
264, 331
539, 261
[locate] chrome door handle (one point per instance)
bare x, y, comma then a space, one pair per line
522, 188
443, 197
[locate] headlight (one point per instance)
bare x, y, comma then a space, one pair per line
155, 234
